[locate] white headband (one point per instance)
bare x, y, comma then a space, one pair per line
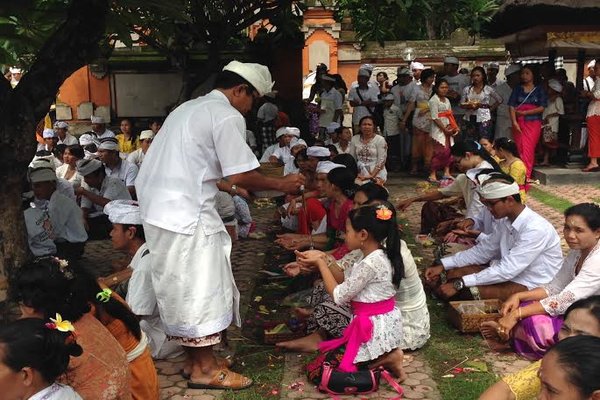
497, 190
125, 212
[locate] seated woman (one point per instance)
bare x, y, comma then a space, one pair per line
532, 319
68, 171
46, 287
581, 318
112, 311
511, 164
33, 355
441, 218
337, 183
329, 319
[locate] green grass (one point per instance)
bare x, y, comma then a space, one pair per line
555, 202
447, 348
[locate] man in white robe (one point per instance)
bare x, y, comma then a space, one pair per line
201, 142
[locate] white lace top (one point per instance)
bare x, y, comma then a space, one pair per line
594, 106
56, 391
370, 281
566, 287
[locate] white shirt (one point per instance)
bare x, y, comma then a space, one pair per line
68, 140
402, 94
136, 157
588, 83
141, 298
526, 251
341, 151
391, 120
370, 93
487, 96
75, 179
57, 220
56, 391
503, 121
497, 83
436, 106
330, 102
125, 171
463, 186
555, 106
566, 287
112, 188
66, 188
201, 141
594, 106
269, 152
458, 83
95, 137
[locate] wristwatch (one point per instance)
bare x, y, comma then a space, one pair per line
459, 284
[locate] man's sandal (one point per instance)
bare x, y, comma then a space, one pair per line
221, 362
223, 379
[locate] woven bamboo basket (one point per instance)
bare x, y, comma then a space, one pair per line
271, 170
478, 311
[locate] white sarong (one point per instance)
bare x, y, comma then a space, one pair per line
193, 281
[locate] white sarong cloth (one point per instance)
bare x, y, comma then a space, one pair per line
192, 277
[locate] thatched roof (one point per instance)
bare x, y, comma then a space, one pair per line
516, 15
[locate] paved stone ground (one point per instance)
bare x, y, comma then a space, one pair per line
249, 257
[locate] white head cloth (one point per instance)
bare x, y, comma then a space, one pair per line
368, 67
109, 144
147, 134
48, 133
364, 72
61, 125
332, 127
43, 162
416, 65
125, 212
97, 119
556, 85
297, 142
511, 69
256, 74
15, 70
323, 167
592, 64
86, 167
318, 151
86, 139
495, 190
42, 174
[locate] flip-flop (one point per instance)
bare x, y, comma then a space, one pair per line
594, 169
223, 379
221, 362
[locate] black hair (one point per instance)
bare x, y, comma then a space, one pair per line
460, 149
343, 179
333, 150
372, 118
59, 149
139, 230
43, 153
29, 343
300, 154
381, 229
228, 80
348, 161
374, 192
436, 86
483, 74
339, 83
590, 212
382, 73
92, 148
49, 289
134, 135
506, 144
535, 70
592, 304
77, 151
426, 74
113, 307
579, 357
155, 120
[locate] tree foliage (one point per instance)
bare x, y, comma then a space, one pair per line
384, 20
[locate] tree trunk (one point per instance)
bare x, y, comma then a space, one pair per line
74, 44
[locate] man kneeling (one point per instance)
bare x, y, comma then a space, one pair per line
522, 252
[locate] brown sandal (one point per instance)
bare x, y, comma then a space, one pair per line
221, 362
223, 379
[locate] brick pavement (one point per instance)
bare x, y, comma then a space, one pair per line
248, 259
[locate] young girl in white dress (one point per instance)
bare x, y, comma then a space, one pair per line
369, 286
33, 354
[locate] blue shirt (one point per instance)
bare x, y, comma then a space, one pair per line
537, 97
